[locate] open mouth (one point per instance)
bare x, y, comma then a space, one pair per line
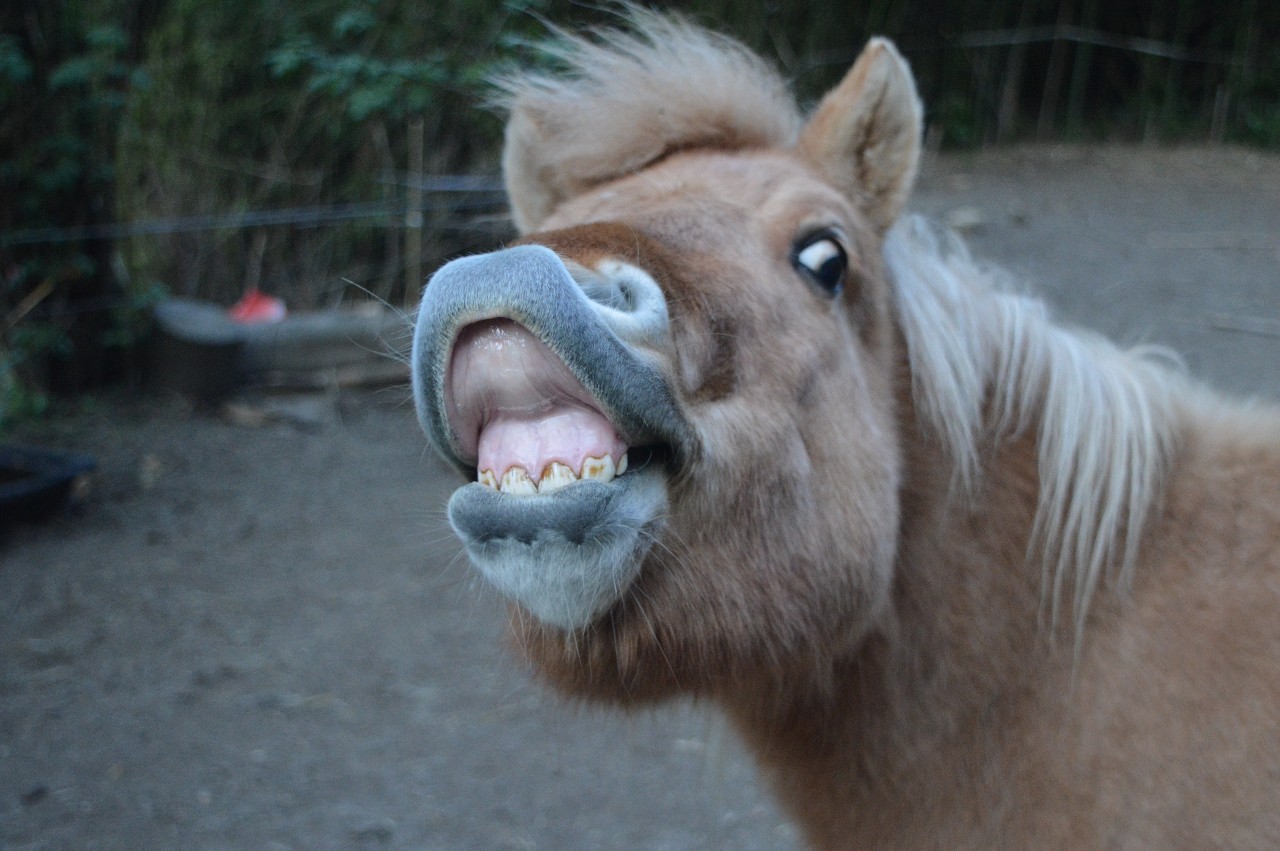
525, 420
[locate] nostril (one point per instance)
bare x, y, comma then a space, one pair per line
626, 298
612, 293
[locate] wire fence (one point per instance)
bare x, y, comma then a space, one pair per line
1095, 38
468, 192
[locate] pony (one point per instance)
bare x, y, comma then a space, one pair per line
739, 429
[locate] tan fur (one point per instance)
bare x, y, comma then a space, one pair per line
868, 610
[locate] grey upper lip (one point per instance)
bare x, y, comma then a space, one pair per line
530, 285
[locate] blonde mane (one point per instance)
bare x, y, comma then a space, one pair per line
628, 97
987, 364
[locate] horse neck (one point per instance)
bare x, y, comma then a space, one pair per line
964, 644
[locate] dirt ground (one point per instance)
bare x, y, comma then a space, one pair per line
263, 637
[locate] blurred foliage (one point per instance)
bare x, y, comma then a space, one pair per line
165, 110
66, 69
258, 106
266, 105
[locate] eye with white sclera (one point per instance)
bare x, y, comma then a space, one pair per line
822, 259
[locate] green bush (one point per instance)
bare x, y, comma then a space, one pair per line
65, 71
253, 109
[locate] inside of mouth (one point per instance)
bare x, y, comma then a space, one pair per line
516, 408
579, 440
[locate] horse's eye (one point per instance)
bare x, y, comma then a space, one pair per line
821, 258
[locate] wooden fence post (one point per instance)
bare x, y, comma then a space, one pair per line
413, 215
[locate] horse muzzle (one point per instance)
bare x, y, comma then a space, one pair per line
543, 382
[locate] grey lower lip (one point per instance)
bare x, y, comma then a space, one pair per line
566, 557
483, 514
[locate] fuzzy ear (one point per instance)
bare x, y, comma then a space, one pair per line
532, 185
865, 135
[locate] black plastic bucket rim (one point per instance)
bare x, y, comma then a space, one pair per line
43, 480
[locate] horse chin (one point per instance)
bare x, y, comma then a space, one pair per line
565, 557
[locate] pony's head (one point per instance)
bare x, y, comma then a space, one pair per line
677, 396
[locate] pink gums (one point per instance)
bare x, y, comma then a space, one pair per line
513, 403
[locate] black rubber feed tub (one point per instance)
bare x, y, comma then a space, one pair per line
36, 482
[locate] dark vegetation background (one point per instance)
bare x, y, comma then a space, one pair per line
328, 150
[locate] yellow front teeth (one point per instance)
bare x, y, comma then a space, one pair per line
517, 482
555, 476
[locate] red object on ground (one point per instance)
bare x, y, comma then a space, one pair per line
256, 306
